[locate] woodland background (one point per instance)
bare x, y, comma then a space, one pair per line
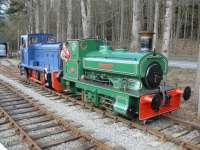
175, 22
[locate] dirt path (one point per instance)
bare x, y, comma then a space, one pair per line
185, 64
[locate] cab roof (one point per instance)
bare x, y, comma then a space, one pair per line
37, 35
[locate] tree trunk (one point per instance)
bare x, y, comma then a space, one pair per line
178, 22
197, 87
135, 25
198, 33
58, 23
29, 5
185, 23
167, 28
86, 17
69, 19
18, 39
45, 2
150, 15
37, 16
113, 27
155, 28
192, 20
63, 19
122, 22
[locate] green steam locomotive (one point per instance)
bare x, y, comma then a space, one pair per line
124, 82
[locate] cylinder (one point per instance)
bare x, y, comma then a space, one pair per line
146, 41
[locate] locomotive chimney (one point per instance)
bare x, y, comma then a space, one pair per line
146, 40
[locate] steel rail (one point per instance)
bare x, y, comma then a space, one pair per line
66, 124
25, 137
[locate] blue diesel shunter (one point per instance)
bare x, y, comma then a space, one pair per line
40, 59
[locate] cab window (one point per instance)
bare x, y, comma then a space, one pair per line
33, 40
51, 39
23, 43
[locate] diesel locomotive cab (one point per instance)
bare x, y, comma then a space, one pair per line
40, 61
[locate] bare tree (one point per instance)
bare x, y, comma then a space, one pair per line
69, 19
197, 88
167, 28
58, 22
37, 16
29, 5
178, 22
45, 13
135, 24
86, 17
122, 21
192, 20
156, 18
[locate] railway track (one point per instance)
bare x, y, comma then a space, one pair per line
38, 127
167, 128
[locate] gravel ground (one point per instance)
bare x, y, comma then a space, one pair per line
191, 135
74, 145
18, 147
9, 138
10, 141
5, 62
160, 123
116, 134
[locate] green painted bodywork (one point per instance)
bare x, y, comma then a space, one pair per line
124, 62
102, 72
78, 50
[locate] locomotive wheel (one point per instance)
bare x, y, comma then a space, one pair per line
49, 80
187, 93
26, 73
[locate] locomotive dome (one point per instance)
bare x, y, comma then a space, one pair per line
146, 40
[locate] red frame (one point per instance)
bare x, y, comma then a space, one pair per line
32, 76
145, 110
55, 82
